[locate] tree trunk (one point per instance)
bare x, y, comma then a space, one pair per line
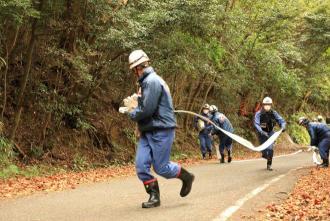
25, 75
208, 91
192, 97
308, 93
177, 98
173, 91
230, 5
5, 73
197, 92
43, 134
191, 90
8, 53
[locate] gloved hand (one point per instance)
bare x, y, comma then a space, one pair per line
131, 102
283, 129
124, 110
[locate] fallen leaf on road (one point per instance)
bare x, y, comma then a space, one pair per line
309, 200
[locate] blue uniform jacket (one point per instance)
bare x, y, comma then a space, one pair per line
317, 132
155, 108
278, 119
221, 121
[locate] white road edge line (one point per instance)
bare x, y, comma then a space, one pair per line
239, 203
238, 161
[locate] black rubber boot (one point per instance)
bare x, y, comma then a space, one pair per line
203, 155
187, 180
153, 190
229, 156
222, 160
269, 164
325, 163
210, 155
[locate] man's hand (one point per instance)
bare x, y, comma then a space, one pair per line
131, 102
124, 110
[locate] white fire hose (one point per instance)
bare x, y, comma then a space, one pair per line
237, 138
241, 140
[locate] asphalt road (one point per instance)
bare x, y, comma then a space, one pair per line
216, 189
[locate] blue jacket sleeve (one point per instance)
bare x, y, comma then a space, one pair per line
312, 135
195, 122
217, 121
148, 102
280, 120
213, 129
257, 122
209, 127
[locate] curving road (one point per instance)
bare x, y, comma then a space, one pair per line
220, 192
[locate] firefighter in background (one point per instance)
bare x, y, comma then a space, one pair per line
265, 121
225, 142
320, 137
204, 129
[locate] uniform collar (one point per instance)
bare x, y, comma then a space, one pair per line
146, 72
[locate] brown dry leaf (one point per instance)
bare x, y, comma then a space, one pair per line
309, 199
19, 186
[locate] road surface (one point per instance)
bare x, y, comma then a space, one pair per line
220, 192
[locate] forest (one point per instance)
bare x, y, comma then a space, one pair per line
64, 70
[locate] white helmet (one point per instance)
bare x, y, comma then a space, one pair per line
303, 121
213, 108
320, 118
206, 106
136, 58
267, 100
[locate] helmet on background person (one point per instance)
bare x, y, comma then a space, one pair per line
320, 118
267, 101
206, 106
137, 58
213, 108
303, 121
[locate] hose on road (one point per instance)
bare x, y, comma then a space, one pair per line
235, 137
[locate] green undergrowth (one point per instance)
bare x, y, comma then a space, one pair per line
298, 133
